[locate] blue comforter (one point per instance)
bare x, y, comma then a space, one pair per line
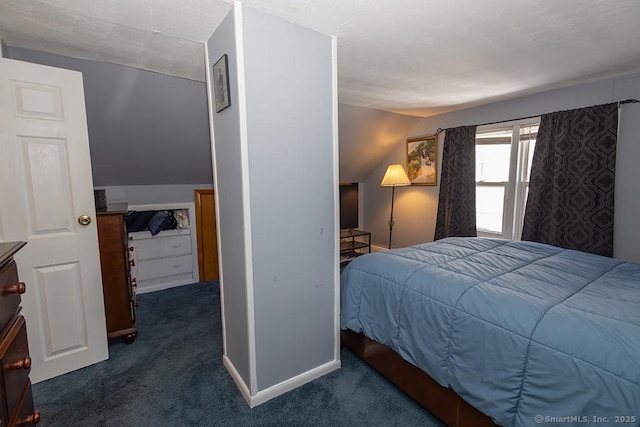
525, 332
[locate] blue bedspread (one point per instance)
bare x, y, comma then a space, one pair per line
518, 329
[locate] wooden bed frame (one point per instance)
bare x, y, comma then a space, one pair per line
440, 401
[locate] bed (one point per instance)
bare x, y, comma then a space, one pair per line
523, 332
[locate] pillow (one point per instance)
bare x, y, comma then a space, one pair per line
137, 221
157, 222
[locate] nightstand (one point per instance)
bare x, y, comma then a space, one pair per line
353, 243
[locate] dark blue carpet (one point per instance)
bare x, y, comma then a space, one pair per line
172, 375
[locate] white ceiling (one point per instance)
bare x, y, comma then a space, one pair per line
417, 57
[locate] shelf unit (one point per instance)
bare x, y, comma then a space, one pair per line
353, 243
168, 259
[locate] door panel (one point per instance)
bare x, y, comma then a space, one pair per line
45, 184
47, 181
37, 101
60, 290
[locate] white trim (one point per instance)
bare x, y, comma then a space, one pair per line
244, 390
360, 205
509, 124
278, 389
336, 205
293, 383
165, 206
522, 184
510, 189
376, 248
511, 209
162, 286
215, 195
246, 194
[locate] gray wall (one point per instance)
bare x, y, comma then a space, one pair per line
144, 127
148, 129
153, 194
367, 137
292, 186
415, 207
230, 205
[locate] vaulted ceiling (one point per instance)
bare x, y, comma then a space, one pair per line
412, 57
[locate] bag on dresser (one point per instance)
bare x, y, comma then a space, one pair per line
172, 223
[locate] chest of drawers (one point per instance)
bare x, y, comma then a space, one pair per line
163, 260
169, 258
15, 363
119, 295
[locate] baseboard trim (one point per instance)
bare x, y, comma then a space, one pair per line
244, 390
163, 286
292, 383
281, 388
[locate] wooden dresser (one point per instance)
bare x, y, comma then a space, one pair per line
15, 388
119, 296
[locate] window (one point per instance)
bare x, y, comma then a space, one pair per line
503, 163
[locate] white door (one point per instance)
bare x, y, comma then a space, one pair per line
45, 185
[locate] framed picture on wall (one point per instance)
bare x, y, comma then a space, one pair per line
221, 83
422, 155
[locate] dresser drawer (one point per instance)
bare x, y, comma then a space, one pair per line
25, 415
10, 290
160, 247
16, 364
163, 267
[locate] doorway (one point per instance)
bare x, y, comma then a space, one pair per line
206, 235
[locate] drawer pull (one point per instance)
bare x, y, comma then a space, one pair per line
177, 266
30, 419
175, 246
19, 288
20, 364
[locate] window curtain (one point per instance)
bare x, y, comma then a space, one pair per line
457, 199
570, 202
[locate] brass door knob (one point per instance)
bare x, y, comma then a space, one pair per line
84, 220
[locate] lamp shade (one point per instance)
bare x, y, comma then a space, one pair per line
395, 177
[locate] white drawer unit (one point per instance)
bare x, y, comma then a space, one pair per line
169, 245
164, 267
169, 258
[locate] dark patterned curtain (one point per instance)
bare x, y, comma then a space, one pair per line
457, 199
570, 202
